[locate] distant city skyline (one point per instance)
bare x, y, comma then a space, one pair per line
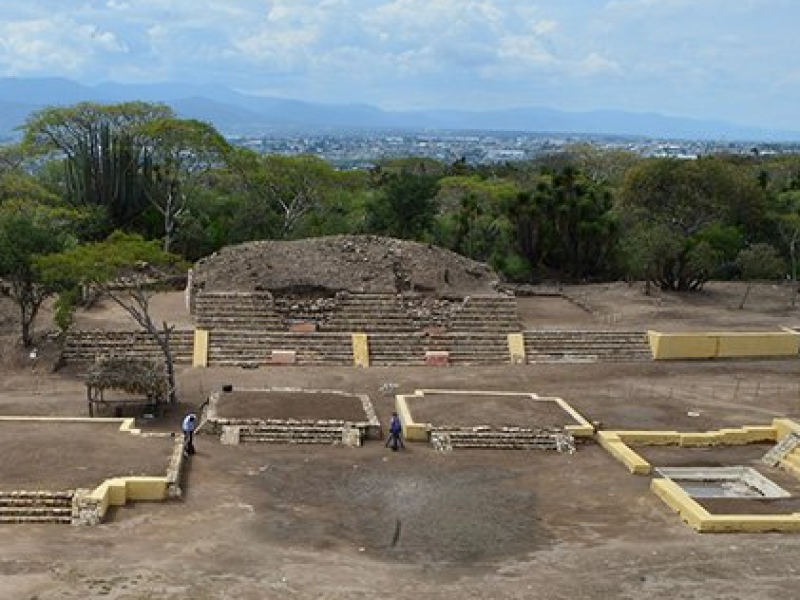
732, 60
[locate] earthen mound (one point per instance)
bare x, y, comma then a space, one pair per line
343, 263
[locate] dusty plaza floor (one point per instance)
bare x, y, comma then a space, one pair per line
332, 522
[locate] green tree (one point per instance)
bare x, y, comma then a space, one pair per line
565, 223
785, 213
684, 202
473, 219
405, 208
179, 152
141, 264
758, 262
28, 229
281, 191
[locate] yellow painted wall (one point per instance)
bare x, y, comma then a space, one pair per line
360, 350
516, 348
677, 346
650, 438
120, 490
784, 427
413, 432
678, 500
623, 453
776, 343
200, 352
701, 520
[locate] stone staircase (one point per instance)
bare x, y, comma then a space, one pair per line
586, 346
503, 439
250, 348
487, 313
293, 432
36, 507
237, 311
789, 452
478, 348
782, 449
87, 345
369, 313
408, 349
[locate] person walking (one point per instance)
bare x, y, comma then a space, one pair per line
189, 425
395, 433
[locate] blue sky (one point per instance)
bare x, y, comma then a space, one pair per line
730, 59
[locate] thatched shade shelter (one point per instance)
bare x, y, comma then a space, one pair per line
142, 378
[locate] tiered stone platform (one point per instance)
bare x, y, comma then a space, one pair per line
491, 420
87, 345
291, 416
487, 314
251, 348
251, 311
370, 312
254, 329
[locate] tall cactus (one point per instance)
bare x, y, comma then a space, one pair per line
103, 153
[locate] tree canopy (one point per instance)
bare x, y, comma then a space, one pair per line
583, 213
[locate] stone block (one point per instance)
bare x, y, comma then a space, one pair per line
231, 435
284, 357
303, 327
437, 358
351, 437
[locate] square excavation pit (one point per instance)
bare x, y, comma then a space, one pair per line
723, 482
252, 408
708, 494
428, 411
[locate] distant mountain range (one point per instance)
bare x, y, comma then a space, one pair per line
234, 113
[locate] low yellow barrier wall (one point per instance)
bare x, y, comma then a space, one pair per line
413, 432
678, 346
119, 490
617, 448
200, 350
702, 521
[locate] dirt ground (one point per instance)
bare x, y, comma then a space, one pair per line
466, 410
327, 522
62, 455
290, 405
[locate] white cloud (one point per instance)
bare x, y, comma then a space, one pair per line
28, 47
631, 53
595, 64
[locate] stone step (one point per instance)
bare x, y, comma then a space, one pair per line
6, 503
567, 358
782, 449
251, 439
35, 511
38, 519
506, 440
509, 445
35, 494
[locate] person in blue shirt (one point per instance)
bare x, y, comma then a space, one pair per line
395, 433
188, 427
